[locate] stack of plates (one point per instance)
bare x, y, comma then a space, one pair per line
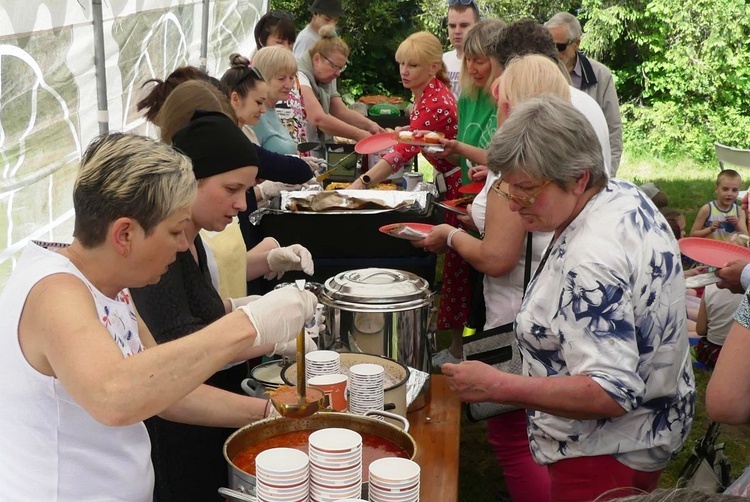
322, 362
394, 479
366, 388
282, 475
335, 464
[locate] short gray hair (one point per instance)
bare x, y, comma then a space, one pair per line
566, 20
125, 175
547, 138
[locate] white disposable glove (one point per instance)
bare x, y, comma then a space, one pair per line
270, 189
294, 257
244, 300
289, 349
279, 315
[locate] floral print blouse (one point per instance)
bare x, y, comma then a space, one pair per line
608, 302
436, 111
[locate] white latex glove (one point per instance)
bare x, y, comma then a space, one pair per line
239, 302
289, 349
294, 257
270, 189
279, 315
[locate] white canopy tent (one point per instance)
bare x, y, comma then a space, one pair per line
72, 68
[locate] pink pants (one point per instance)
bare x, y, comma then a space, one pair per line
526, 480
583, 479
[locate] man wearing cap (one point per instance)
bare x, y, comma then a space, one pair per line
462, 15
588, 75
324, 12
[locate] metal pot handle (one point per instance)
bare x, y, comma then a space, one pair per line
249, 385
234, 494
381, 413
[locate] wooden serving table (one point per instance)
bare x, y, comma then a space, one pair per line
436, 428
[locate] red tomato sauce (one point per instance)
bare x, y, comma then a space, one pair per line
373, 448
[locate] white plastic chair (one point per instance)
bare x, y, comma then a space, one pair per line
730, 155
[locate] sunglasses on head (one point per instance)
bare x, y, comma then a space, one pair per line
452, 3
252, 71
280, 15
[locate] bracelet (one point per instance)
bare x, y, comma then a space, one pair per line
453, 232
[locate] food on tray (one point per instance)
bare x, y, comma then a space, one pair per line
379, 98
432, 137
405, 136
464, 201
340, 185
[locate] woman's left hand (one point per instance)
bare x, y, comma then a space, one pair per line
375, 128
437, 240
472, 380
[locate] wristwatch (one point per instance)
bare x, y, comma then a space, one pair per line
366, 180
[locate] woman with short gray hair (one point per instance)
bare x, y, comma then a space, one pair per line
607, 377
81, 368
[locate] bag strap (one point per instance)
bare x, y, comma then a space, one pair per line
527, 264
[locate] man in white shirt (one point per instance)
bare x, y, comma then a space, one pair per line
462, 15
588, 75
324, 12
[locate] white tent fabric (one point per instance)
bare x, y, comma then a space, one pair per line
48, 91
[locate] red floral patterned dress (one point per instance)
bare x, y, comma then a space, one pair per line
437, 111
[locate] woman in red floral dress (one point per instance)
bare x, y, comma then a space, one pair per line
420, 60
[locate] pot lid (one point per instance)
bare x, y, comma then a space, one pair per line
376, 286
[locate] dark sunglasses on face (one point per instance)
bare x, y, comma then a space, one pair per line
562, 47
251, 71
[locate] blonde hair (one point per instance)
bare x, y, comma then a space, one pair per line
188, 97
329, 43
530, 76
124, 175
274, 61
479, 42
423, 48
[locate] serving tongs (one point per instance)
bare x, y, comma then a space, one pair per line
332, 167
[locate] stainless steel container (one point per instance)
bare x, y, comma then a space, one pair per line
381, 311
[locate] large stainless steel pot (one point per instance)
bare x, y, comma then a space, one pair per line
244, 483
382, 311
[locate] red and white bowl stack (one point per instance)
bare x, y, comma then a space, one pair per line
394, 479
322, 362
366, 390
335, 464
282, 475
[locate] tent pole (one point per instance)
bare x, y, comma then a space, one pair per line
100, 65
204, 34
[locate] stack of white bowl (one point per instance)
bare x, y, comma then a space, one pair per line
366, 390
393, 479
322, 362
282, 475
335, 464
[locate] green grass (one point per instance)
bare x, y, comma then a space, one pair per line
688, 186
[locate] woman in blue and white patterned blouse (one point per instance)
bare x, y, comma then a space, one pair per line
608, 381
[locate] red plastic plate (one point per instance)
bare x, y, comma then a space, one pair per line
450, 205
474, 187
376, 143
712, 252
394, 230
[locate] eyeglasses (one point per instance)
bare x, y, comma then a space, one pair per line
562, 47
522, 200
252, 71
277, 14
335, 67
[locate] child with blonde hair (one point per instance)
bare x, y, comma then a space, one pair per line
722, 217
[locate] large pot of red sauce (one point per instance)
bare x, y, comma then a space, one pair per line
379, 439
